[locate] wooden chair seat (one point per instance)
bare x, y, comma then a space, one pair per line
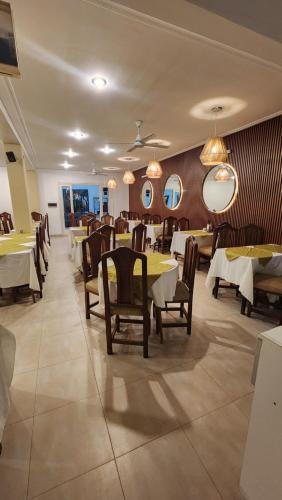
268, 283
182, 293
123, 310
92, 286
206, 251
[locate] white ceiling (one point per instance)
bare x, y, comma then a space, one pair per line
156, 73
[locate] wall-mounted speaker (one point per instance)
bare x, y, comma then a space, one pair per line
11, 157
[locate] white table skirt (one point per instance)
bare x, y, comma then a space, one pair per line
241, 271
7, 361
162, 291
132, 224
17, 269
179, 241
74, 231
76, 253
153, 232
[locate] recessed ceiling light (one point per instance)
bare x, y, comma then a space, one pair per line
70, 153
128, 158
111, 168
78, 134
99, 82
161, 142
107, 150
66, 164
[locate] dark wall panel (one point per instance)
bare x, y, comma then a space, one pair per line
256, 154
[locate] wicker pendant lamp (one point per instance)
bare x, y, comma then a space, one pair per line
112, 184
129, 177
154, 169
214, 151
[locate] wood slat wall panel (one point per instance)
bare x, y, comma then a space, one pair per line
256, 154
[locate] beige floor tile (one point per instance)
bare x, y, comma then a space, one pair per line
63, 325
136, 414
27, 355
22, 396
244, 404
60, 348
232, 369
99, 484
191, 391
23, 331
67, 442
14, 461
167, 468
63, 383
219, 439
52, 310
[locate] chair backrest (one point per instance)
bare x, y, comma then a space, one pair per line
133, 216
46, 218
182, 224
169, 224
250, 234
121, 226
139, 238
124, 260
7, 216
224, 236
89, 225
107, 219
155, 219
124, 214
36, 216
5, 224
92, 249
110, 233
85, 218
72, 220
190, 260
146, 218
37, 259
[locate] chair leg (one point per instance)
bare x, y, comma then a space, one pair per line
243, 305
146, 333
216, 287
159, 323
109, 336
117, 323
87, 305
249, 309
181, 310
189, 320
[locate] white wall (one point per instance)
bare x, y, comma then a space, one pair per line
49, 182
5, 197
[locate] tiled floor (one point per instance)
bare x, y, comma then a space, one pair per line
84, 425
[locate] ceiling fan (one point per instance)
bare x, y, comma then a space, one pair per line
142, 142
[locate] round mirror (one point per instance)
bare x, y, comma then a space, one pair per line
173, 192
220, 187
147, 194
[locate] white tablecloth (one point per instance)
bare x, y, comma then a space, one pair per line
162, 291
76, 253
179, 241
241, 271
7, 360
153, 231
132, 224
75, 231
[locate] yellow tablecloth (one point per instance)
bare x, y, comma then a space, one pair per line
196, 232
14, 243
272, 247
125, 236
258, 253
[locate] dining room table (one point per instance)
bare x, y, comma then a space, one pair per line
124, 240
153, 231
238, 265
74, 232
202, 237
17, 265
132, 224
162, 275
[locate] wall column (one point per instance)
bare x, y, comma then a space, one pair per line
32, 188
18, 189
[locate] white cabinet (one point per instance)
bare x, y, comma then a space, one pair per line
261, 476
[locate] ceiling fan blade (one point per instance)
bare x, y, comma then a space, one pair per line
144, 139
132, 148
118, 143
156, 145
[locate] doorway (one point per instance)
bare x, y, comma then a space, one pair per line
83, 198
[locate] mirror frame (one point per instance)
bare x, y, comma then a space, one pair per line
181, 192
152, 191
235, 192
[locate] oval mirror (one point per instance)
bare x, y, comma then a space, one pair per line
147, 194
220, 187
173, 192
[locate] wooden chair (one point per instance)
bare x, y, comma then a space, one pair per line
92, 249
224, 236
36, 216
139, 238
264, 284
221, 238
251, 234
89, 226
37, 262
110, 233
182, 224
133, 216
84, 219
8, 217
107, 219
72, 220
5, 224
124, 214
164, 240
91, 214
146, 218
127, 303
183, 292
42, 240
47, 228
155, 219
121, 226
